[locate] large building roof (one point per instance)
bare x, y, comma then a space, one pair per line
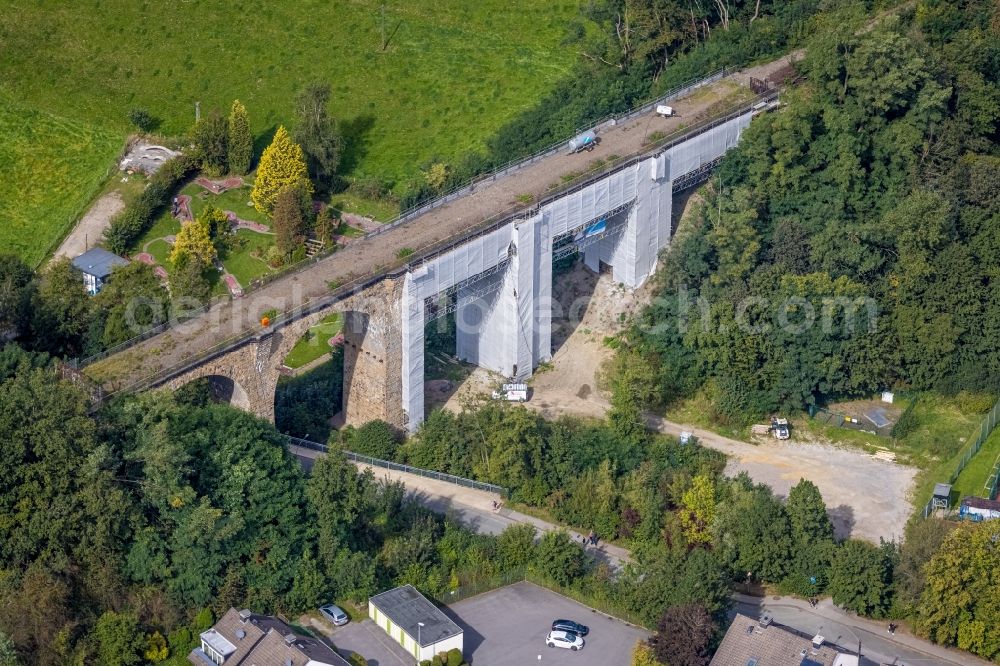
98, 262
752, 643
245, 638
406, 607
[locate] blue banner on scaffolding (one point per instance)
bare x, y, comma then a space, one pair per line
598, 227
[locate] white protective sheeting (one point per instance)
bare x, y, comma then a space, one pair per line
509, 329
413, 353
705, 147
463, 262
484, 324
542, 292
590, 202
647, 229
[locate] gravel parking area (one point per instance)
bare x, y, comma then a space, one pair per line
507, 627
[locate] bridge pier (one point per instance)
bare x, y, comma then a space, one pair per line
501, 278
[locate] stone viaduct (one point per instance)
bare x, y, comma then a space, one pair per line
497, 280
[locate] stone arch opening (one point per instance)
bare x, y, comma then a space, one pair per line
225, 390
334, 370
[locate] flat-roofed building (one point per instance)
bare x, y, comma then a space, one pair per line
414, 622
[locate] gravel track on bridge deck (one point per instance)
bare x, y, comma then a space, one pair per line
361, 257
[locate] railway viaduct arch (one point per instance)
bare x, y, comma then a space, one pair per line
372, 363
497, 280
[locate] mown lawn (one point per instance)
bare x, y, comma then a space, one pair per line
315, 343
52, 167
160, 249
452, 72
241, 262
231, 200
377, 209
972, 480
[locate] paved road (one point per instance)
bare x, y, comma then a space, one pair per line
473, 508
369, 257
877, 646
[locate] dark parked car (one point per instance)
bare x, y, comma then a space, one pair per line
571, 626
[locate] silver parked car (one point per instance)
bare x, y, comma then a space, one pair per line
564, 639
334, 614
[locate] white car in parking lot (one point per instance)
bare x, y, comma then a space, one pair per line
564, 639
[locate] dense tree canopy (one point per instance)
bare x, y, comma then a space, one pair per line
848, 243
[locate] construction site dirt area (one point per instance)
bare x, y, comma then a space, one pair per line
874, 414
866, 497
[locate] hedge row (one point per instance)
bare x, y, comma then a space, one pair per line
591, 93
128, 225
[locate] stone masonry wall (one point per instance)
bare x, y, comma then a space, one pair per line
372, 358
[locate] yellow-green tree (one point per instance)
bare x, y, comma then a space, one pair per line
643, 655
437, 175
193, 242
282, 166
698, 509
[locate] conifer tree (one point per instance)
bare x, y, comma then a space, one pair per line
289, 224
240, 139
281, 166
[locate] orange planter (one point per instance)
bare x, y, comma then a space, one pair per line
265, 321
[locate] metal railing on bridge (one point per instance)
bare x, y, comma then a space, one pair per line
456, 192
400, 467
434, 248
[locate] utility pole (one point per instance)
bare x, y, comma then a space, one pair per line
197, 111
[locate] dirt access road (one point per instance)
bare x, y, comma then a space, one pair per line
866, 497
365, 257
90, 229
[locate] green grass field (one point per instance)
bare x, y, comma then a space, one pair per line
52, 166
315, 343
232, 200
453, 72
241, 263
972, 480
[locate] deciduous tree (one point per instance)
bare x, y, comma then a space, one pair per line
642, 655
316, 131
15, 293
958, 606
60, 310
683, 636
698, 509
8, 655
120, 641
210, 136
559, 557
133, 301
861, 577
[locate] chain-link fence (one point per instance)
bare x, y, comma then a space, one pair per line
986, 428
